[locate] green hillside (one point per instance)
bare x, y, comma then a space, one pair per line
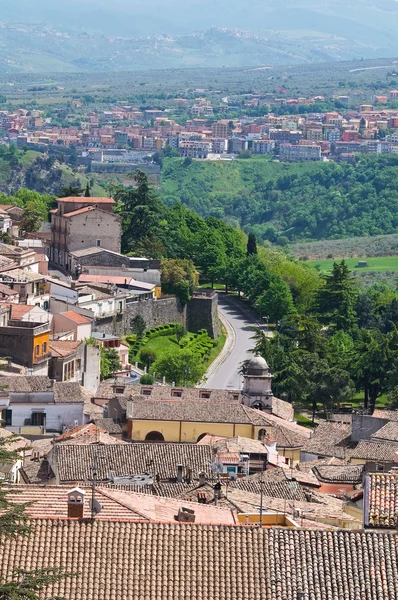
283, 202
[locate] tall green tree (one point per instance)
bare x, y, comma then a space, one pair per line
183, 367
179, 277
251, 244
337, 298
276, 302
87, 192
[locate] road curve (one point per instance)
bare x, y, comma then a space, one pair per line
241, 321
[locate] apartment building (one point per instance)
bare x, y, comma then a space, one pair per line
292, 152
195, 149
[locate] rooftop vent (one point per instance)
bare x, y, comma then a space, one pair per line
185, 515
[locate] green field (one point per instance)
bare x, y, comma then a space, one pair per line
379, 263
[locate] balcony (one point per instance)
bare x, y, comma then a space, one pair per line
42, 358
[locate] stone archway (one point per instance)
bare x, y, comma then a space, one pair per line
154, 436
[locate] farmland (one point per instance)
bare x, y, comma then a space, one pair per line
378, 264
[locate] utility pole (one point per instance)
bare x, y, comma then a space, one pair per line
261, 498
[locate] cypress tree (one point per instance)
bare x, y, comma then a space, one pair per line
251, 244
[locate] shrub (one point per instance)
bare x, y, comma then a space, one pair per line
147, 379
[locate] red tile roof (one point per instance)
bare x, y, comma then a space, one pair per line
75, 317
116, 279
19, 310
80, 211
63, 348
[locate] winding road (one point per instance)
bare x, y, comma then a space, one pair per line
238, 321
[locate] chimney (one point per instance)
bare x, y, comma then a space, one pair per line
179, 473
185, 515
76, 503
202, 478
217, 491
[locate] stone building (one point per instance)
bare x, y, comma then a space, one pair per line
256, 391
80, 223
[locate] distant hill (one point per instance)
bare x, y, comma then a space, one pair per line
35, 48
92, 35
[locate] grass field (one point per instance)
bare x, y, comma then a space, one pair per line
379, 263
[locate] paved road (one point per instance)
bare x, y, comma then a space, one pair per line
241, 322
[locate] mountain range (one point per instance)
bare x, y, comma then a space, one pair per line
94, 35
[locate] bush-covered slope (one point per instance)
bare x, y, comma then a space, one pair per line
281, 201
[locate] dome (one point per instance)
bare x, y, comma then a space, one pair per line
257, 366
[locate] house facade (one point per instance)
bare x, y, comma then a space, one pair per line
80, 223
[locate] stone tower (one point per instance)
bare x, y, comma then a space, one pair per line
256, 392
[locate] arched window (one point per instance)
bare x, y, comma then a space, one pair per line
261, 434
202, 435
258, 406
154, 436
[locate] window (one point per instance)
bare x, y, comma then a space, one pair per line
204, 395
146, 392
78, 365
176, 393
38, 419
44, 347
6, 416
98, 242
37, 350
119, 390
69, 370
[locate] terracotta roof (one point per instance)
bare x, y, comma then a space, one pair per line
329, 439
291, 490
391, 415
19, 310
79, 431
374, 451
383, 500
74, 462
35, 383
203, 562
84, 200
62, 349
177, 410
7, 291
79, 211
339, 473
76, 317
389, 432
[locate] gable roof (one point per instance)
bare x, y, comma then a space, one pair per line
339, 473
76, 317
388, 432
62, 349
203, 562
329, 439
20, 310
74, 462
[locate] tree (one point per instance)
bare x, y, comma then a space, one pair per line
179, 277
110, 362
183, 367
180, 331
147, 379
31, 219
23, 584
87, 193
141, 211
147, 357
277, 301
337, 298
251, 244
138, 326
70, 191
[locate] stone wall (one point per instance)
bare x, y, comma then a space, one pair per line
154, 313
86, 228
200, 313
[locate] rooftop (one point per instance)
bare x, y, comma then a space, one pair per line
204, 562
383, 500
76, 317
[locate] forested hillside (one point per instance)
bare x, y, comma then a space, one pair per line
34, 171
284, 202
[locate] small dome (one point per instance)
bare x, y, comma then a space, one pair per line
257, 366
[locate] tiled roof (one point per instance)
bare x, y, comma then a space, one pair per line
391, 415
374, 451
146, 561
177, 410
21, 275
110, 279
291, 490
339, 473
62, 349
109, 425
75, 462
80, 211
383, 500
329, 439
76, 317
389, 432
20, 310
35, 383
79, 431
70, 391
